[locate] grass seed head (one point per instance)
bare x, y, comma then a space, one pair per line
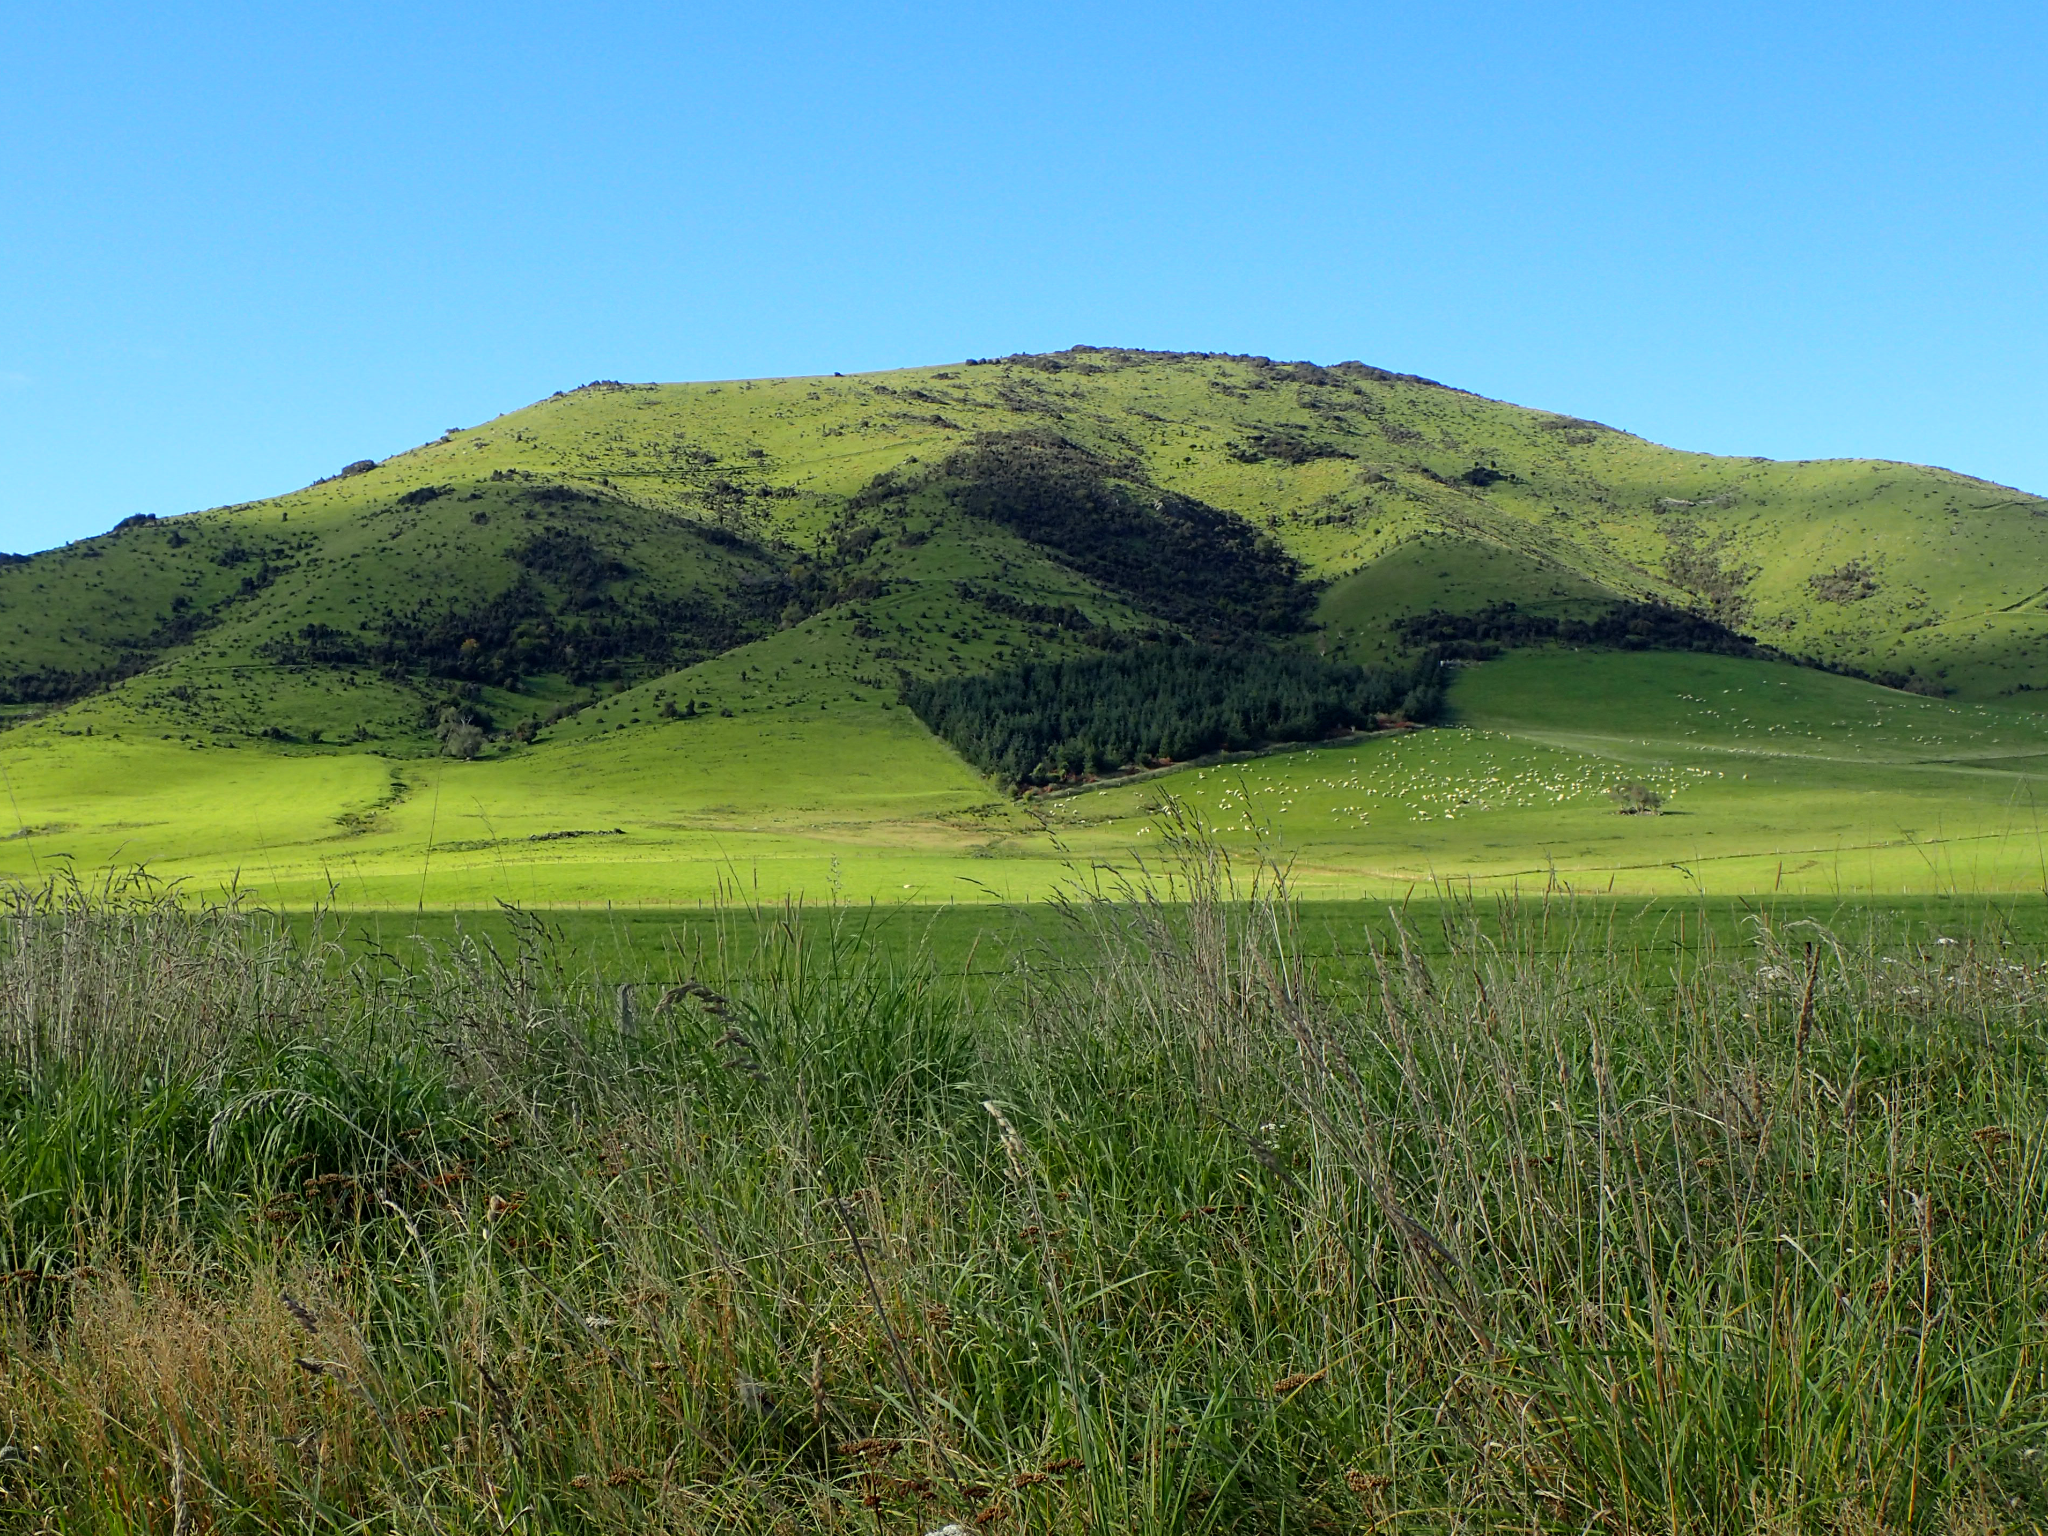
1013, 1144
301, 1313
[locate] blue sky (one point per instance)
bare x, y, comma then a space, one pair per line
243, 244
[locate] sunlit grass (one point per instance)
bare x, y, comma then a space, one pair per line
1520, 1227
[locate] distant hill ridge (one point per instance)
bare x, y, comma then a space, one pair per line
753, 544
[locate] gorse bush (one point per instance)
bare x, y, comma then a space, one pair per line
1503, 1225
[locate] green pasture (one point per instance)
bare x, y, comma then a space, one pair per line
1774, 780
988, 946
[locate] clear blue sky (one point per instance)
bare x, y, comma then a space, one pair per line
242, 244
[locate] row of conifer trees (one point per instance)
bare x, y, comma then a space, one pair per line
1047, 721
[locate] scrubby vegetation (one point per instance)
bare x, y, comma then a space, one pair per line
58, 685
561, 615
1190, 563
1500, 627
1495, 1223
1485, 634
1048, 721
1851, 582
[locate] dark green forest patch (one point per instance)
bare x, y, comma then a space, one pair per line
1049, 722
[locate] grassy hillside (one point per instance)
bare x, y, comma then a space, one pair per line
677, 619
734, 498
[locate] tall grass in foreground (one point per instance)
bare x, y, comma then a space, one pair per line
1515, 1238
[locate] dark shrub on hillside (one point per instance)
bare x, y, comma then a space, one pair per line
1048, 721
1694, 561
561, 614
558, 495
572, 562
1851, 582
1181, 559
56, 685
1287, 448
1625, 626
1051, 621
519, 633
59, 685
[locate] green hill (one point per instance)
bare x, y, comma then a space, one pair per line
677, 620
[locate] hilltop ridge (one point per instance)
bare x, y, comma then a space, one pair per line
624, 531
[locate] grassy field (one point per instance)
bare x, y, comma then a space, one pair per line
1504, 1217
982, 947
1776, 780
